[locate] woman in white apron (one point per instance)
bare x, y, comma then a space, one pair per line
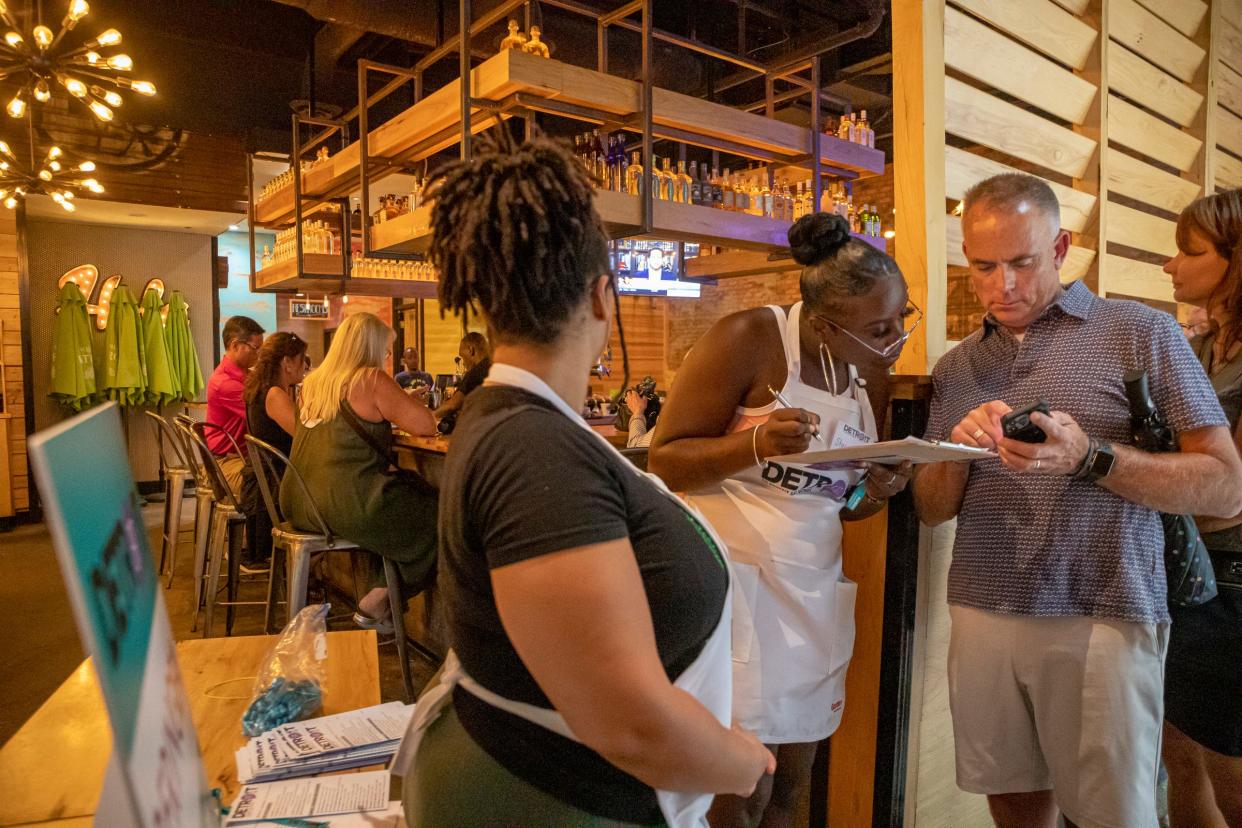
589, 682
775, 381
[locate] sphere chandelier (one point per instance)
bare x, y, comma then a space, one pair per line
54, 176
43, 58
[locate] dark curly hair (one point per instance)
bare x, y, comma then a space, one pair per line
514, 232
834, 263
263, 375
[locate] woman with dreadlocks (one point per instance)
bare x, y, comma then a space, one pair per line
587, 607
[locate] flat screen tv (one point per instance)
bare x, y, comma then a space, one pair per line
654, 268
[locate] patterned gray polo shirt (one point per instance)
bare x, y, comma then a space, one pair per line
1042, 545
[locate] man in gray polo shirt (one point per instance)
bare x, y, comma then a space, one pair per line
1057, 586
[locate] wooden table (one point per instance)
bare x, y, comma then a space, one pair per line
52, 770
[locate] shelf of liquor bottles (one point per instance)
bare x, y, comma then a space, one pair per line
321, 273
519, 81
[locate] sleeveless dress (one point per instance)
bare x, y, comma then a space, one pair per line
381, 513
793, 609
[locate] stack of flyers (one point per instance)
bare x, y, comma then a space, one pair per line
368, 736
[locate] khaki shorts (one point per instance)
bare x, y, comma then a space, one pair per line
1068, 704
232, 466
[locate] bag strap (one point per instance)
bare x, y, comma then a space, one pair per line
386, 457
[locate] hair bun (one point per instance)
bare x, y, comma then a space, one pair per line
817, 236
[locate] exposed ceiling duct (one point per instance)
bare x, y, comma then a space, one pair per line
414, 22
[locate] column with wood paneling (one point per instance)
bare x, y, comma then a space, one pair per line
1226, 59
918, 181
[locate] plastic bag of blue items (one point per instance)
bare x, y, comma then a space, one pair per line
289, 686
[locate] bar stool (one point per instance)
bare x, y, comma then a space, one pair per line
175, 468
298, 548
205, 499
227, 525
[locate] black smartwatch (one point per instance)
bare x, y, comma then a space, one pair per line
1098, 463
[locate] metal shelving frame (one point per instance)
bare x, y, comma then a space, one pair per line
528, 106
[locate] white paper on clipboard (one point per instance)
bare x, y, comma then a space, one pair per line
889, 453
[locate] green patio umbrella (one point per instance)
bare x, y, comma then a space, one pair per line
73, 364
161, 380
182, 355
125, 376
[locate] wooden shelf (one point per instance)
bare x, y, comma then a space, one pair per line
408, 233
434, 123
321, 273
622, 215
734, 263
395, 288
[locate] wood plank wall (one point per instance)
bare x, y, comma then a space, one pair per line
1131, 109
14, 487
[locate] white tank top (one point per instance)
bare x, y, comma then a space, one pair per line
793, 622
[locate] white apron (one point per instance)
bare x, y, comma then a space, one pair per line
793, 610
708, 678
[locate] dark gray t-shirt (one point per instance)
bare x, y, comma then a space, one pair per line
523, 480
1051, 546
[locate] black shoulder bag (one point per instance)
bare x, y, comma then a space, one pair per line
1187, 565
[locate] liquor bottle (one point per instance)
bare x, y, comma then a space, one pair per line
684, 185
599, 163
667, 180
696, 186
634, 176
853, 219
623, 167
727, 199
766, 207
717, 200
786, 202
845, 130
741, 195
865, 135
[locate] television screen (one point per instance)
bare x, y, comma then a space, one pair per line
653, 268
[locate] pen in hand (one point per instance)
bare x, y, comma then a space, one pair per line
780, 398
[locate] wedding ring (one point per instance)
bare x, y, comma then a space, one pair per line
978, 433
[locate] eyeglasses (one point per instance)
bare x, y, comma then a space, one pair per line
893, 347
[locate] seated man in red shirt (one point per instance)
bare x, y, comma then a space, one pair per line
242, 338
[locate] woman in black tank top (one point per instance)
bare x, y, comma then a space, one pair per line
268, 394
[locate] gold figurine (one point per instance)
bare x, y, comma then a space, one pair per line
535, 46
515, 40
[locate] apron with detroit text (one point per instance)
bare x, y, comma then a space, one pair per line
793, 609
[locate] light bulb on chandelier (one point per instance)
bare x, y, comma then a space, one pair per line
39, 57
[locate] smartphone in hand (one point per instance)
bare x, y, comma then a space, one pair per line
1017, 424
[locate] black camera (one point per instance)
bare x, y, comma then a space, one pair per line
1017, 425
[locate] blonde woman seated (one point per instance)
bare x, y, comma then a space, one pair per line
342, 446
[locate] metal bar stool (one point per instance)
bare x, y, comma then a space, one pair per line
299, 547
176, 470
227, 525
204, 497
294, 546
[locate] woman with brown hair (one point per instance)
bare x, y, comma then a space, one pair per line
1203, 682
268, 395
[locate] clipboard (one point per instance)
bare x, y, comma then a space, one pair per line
888, 453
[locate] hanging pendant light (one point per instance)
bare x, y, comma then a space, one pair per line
52, 176
43, 59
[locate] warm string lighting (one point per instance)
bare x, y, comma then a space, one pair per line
54, 177
42, 60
